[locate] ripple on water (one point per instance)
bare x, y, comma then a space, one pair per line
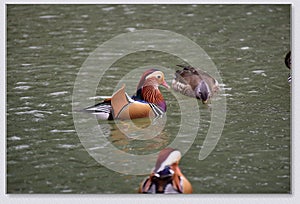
26, 97
58, 93
66, 191
20, 147
35, 47
22, 87
49, 16
25, 65
131, 29
245, 48
261, 72
19, 108
37, 113
66, 146
108, 9
128, 10
62, 131
21, 82
31, 129
14, 138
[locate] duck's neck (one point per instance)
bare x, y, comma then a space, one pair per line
151, 94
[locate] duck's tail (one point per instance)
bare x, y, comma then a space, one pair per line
102, 110
111, 108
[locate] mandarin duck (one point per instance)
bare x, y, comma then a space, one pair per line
147, 102
288, 64
166, 176
194, 83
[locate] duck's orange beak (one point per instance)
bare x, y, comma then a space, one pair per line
164, 83
205, 102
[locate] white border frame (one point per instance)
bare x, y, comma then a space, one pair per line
136, 198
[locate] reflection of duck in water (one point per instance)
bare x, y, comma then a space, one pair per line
288, 64
148, 100
138, 136
194, 83
166, 176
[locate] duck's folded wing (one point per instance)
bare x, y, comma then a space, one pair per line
134, 110
180, 84
119, 101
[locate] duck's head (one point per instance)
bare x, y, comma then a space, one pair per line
202, 91
167, 161
153, 77
166, 168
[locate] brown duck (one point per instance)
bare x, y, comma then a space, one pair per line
195, 83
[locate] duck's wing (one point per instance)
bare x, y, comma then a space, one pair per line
181, 85
119, 101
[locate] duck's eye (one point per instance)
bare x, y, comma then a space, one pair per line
158, 76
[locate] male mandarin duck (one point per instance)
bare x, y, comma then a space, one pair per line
288, 64
195, 83
166, 176
147, 102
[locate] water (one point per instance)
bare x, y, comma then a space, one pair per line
47, 45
